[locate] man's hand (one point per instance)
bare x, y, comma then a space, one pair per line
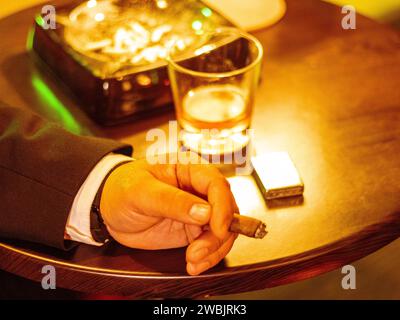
165, 206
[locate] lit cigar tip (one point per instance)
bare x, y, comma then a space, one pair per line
261, 231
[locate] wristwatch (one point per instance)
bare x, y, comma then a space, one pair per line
98, 228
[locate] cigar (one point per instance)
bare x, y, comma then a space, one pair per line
248, 226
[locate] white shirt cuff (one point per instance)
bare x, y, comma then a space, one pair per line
78, 223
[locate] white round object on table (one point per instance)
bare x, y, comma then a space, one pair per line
250, 15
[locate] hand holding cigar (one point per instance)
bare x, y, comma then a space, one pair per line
160, 206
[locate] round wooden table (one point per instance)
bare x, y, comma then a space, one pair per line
329, 97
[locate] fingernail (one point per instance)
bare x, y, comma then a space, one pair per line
198, 268
202, 266
200, 254
191, 269
200, 212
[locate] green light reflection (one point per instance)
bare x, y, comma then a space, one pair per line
29, 39
206, 12
49, 98
39, 20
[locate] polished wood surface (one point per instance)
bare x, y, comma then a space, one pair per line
329, 97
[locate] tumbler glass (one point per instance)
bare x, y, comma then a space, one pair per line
213, 89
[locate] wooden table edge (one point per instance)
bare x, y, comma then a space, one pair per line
276, 272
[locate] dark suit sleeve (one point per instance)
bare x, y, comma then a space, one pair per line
42, 168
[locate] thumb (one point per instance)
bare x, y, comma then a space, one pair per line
158, 199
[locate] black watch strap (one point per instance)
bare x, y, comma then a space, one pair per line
97, 227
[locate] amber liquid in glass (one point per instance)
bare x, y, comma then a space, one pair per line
223, 107
214, 118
